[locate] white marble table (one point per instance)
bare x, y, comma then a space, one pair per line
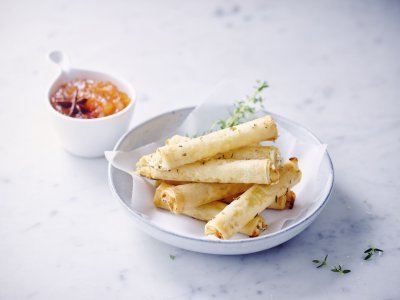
332, 66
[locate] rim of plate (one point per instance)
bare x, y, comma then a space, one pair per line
212, 241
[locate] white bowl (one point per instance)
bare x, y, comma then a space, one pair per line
162, 126
88, 137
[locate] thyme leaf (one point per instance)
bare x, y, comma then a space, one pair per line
340, 269
371, 251
336, 269
243, 110
321, 263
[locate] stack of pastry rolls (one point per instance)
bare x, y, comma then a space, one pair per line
226, 178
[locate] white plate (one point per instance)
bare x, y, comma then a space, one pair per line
163, 126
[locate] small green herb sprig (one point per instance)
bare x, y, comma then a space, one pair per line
336, 269
339, 269
371, 251
172, 257
321, 263
244, 109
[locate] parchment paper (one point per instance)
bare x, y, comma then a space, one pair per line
217, 106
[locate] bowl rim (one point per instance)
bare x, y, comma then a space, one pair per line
261, 238
131, 93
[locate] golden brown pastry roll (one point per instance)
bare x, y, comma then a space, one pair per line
153, 159
207, 211
260, 171
248, 152
181, 138
252, 202
255, 151
186, 196
284, 202
175, 155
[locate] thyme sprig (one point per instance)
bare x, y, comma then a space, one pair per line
371, 251
321, 263
339, 269
244, 109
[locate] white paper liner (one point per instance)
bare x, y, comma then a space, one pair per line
217, 107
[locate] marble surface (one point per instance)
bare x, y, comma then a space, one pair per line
333, 66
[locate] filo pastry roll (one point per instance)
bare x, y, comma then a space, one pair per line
153, 159
175, 155
186, 196
207, 211
252, 202
261, 171
283, 202
255, 151
244, 153
176, 139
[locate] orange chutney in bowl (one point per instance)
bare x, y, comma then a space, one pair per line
89, 99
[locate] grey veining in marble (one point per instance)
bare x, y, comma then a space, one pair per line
332, 65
